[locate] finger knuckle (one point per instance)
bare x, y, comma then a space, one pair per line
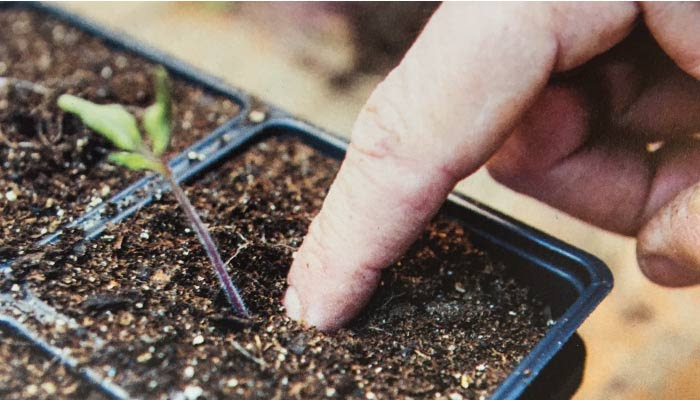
381, 126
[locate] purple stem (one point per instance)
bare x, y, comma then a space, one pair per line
212, 252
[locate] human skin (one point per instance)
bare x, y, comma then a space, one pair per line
541, 94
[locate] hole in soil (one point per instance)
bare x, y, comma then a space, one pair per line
447, 318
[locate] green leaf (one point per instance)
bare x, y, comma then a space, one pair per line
157, 127
112, 121
156, 118
135, 161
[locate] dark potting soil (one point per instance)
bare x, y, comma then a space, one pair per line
26, 373
52, 168
446, 322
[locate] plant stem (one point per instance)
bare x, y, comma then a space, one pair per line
205, 238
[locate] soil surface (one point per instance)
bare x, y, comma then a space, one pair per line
446, 322
53, 168
28, 374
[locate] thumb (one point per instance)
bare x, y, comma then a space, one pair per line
435, 119
667, 246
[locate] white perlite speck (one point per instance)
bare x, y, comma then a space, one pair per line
95, 201
455, 396
105, 190
193, 392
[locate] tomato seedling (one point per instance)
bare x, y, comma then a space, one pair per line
120, 127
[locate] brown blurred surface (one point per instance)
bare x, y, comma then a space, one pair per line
643, 342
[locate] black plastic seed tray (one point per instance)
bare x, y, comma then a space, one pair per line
570, 281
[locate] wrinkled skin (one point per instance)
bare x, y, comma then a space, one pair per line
558, 99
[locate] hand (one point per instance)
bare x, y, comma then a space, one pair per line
517, 85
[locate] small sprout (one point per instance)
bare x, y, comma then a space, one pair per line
120, 127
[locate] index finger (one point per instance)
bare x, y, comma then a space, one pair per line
435, 119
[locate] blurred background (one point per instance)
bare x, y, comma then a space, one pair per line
320, 61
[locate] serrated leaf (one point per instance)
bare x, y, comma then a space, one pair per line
112, 121
135, 161
156, 118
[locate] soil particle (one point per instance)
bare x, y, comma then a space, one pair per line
419, 337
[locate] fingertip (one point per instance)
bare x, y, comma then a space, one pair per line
667, 245
666, 272
324, 292
292, 304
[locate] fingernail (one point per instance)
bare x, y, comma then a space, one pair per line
292, 304
664, 271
